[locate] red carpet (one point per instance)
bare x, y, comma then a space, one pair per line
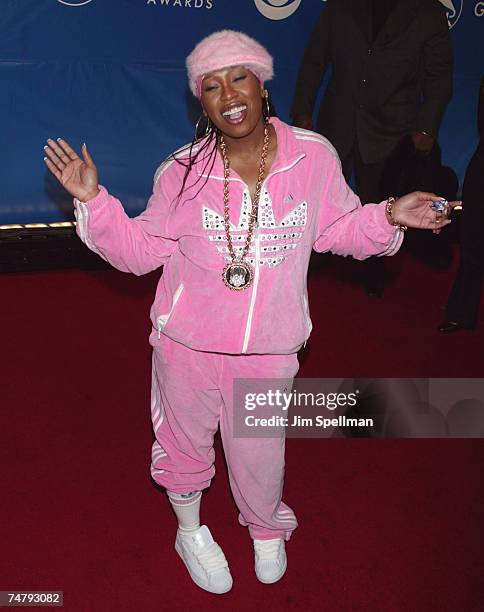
385, 525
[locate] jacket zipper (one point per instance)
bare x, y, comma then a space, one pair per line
162, 320
250, 315
254, 291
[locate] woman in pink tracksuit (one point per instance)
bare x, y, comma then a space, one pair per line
233, 219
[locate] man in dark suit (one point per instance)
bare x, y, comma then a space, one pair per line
391, 81
463, 305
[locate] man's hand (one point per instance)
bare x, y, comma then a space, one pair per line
423, 143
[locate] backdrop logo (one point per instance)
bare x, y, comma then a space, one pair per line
74, 2
191, 4
277, 9
454, 10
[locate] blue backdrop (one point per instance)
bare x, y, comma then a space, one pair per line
111, 73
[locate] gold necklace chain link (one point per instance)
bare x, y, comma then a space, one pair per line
255, 203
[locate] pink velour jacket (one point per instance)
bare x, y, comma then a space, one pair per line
305, 204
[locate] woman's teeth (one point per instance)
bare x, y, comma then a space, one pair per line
235, 113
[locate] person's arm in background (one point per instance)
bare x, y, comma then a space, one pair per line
437, 83
311, 72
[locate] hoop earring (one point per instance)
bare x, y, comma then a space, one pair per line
267, 107
207, 128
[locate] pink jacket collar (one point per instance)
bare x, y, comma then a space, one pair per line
289, 152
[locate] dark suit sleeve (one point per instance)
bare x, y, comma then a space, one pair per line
313, 66
480, 108
438, 71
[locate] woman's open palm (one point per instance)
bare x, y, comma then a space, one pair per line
78, 176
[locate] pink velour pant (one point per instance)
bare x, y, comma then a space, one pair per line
192, 394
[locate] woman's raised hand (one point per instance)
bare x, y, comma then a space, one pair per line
78, 176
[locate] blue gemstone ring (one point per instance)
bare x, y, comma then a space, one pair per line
441, 206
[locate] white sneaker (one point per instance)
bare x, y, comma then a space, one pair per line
270, 560
204, 559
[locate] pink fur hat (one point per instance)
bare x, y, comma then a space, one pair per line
227, 48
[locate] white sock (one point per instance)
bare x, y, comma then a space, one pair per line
187, 509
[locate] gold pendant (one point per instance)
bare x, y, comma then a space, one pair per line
238, 275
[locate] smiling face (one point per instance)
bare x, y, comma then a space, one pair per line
232, 98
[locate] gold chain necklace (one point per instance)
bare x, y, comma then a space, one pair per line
238, 274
